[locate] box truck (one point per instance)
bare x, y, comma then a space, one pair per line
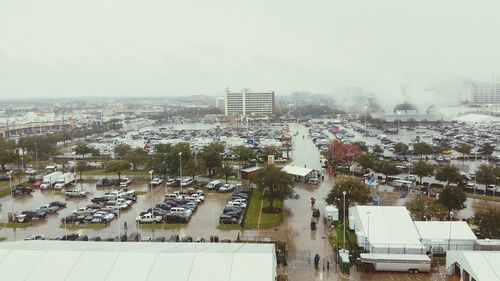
64, 180
50, 179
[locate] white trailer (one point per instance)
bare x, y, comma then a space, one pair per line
50, 179
398, 262
64, 180
331, 213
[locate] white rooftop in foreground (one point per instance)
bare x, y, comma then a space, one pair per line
110, 261
296, 170
440, 230
481, 265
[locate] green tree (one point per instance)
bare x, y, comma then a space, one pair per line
80, 167
422, 206
388, 168
422, 148
195, 166
464, 149
136, 157
377, 149
400, 148
356, 192
82, 149
7, 152
117, 166
367, 160
244, 152
212, 155
271, 150
362, 146
173, 159
274, 184
487, 149
452, 198
487, 174
449, 174
227, 171
121, 150
158, 163
488, 222
18, 174
422, 169
163, 148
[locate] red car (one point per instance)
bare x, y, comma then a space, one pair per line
37, 184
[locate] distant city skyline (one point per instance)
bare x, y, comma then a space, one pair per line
93, 48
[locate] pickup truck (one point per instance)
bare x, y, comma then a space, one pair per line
48, 208
148, 218
76, 193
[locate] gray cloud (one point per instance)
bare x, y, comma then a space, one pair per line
110, 48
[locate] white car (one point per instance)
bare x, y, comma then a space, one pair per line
237, 204
148, 218
35, 237
156, 181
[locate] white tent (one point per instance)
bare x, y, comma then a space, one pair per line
385, 229
331, 213
296, 170
437, 234
474, 265
110, 261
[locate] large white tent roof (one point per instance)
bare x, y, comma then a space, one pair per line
440, 230
387, 225
109, 261
296, 170
481, 265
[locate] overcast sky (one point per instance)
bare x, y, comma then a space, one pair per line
70, 48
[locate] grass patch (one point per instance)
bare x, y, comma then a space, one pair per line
438, 261
74, 226
266, 220
4, 192
3, 239
141, 192
482, 197
16, 224
232, 226
161, 225
337, 239
59, 193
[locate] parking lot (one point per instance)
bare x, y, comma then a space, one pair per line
203, 222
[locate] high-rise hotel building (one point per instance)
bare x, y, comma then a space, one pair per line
249, 103
485, 93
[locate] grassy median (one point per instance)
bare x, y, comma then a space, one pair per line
160, 225
73, 226
16, 224
232, 226
256, 219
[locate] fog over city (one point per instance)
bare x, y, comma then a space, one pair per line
417, 51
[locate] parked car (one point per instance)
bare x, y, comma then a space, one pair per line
225, 219
35, 237
70, 237
176, 218
199, 240
76, 193
58, 204
148, 218
156, 181
22, 190
186, 239
173, 238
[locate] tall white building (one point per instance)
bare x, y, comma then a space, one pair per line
249, 103
485, 93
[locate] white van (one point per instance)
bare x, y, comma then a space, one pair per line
179, 211
403, 184
214, 184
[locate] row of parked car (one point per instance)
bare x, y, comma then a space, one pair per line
177, 207
132, 237
235, 207
40, 213
103, 209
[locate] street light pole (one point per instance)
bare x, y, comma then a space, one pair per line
368, 232
180, 168
151, 187
366, 131
449, 238
343, 213
12, 196
36, 156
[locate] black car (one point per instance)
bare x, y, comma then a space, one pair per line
58, 204
163, 206
234, 214
232, 209
23, 190
35, 214
173, 238
70, 237
95, 238
174, 218
97, 200
134, 237
225, 219
70, 219
121, 238
186, 239
82, 238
